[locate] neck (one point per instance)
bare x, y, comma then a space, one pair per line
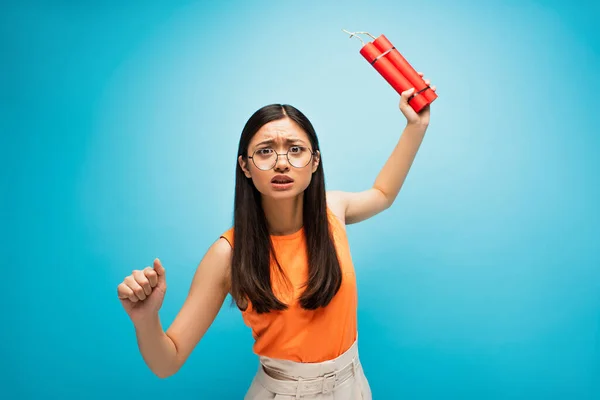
284, 217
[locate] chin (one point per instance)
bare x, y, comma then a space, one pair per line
290, 193
283, 194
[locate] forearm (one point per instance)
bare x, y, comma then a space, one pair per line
394, 172
157, 349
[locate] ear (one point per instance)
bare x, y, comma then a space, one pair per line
316, 161
244, 165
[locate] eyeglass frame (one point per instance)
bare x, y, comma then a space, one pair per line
312, 154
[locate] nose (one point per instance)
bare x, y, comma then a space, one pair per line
282, 163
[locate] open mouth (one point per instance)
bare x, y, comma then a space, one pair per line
281, 179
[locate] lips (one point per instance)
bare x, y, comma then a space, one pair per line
282, 179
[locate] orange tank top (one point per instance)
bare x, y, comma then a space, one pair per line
305, 335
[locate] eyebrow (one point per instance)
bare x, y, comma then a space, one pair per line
270, 141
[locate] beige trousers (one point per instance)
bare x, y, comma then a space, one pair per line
339, 379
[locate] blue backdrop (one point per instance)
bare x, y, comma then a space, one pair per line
120, 123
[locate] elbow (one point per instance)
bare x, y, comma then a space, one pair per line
161, 375
386, 199
164, 374
169, 368
167, 371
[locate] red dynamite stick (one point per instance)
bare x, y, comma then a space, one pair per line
391, 74
384, 45
385, 68
394, 68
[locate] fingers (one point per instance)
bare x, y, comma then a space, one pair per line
405, 96
427, 81
151, 275
124, 292
142, 280
139, 285
135, 287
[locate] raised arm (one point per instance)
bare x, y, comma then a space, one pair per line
358, 206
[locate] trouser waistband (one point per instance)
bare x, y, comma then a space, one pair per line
296, 379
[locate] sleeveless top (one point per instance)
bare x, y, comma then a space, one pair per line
297, 334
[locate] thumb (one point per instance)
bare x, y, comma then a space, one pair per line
406, 95
160, 270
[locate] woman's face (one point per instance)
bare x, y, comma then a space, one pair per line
272, 173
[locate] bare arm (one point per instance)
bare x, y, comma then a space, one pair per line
166, 352
358, 206
355, 207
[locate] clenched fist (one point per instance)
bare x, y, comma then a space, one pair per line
142, 292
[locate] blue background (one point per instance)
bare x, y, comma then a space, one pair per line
120, 125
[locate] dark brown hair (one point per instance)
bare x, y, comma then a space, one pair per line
253, 248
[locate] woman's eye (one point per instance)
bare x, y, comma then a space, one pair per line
295, 149
264, 152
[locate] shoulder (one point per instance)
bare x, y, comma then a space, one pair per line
221, 251
217, 262
227, 237
222, 247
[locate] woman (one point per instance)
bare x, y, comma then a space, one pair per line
285, 262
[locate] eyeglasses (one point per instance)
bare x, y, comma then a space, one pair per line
266, 159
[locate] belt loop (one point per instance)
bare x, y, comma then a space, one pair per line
328, 383
299, 389
355, 365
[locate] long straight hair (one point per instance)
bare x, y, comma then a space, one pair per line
253, 248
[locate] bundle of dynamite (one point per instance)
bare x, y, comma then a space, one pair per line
394, 68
